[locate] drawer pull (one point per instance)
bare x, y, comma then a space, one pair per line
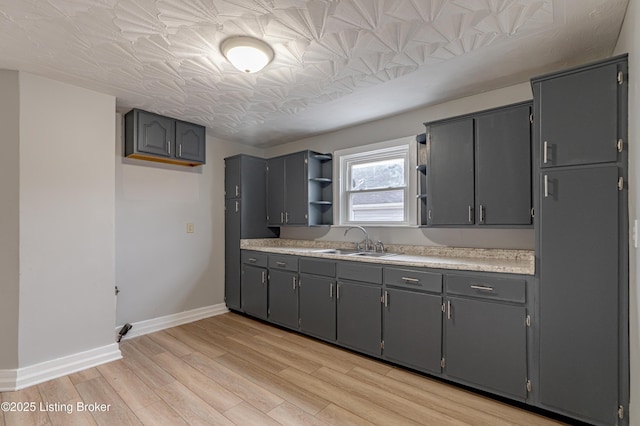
331, 291
481, 287
281, 264
410, 280
253, 260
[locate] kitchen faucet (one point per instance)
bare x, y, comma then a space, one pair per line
367, 241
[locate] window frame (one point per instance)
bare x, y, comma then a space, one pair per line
397, 148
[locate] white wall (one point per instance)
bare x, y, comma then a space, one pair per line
9, 218
629, 42
160, 269
67, 221
411, 124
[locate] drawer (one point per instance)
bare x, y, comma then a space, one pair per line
413, 278
508, 289
325, 268
284, 262
254, 258
356, 271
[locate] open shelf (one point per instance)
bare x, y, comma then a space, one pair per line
321, 179
421, 168
321, 203
323, 157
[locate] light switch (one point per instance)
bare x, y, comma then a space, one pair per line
190, 228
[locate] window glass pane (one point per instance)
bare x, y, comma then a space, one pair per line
378, 174
382, 206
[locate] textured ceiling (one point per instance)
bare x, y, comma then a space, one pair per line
337, 63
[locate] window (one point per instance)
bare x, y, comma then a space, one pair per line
376, 183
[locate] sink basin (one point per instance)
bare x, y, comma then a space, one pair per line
347, 252
372, 254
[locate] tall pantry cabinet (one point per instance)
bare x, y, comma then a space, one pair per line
580, 159
245, 216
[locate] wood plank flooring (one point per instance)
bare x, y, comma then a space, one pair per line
231, 370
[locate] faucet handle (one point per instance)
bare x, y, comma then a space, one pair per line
379, 247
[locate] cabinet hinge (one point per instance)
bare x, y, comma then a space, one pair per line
620, 183
299, 322
443, 308
306, 161
527, 320
620, 77
382, 344
620, 412
533, 212
620, 145
306, 216
442, 363
269, 311
531, 118
528, 385
382, 299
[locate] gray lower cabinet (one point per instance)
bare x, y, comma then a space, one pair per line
254, 291
485, 332
412, 331
359, 316
233, 221
318, 306
283, 297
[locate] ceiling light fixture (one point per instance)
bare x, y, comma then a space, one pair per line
247, 54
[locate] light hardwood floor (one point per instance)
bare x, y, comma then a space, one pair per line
231, 370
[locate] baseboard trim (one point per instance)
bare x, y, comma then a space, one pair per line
16, 379
141, 328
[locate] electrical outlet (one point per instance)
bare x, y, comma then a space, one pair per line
190, 228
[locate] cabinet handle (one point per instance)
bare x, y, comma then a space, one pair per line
448, 309
253, 260
481, 213
286, 217
237, 191
294, 283
169, 147
481, 287
180, 150
237, 206
338, 291
546, 186
281, 217
545, 151
264, 276
411, 280
331, 291
281, 264
470, 212
386, 299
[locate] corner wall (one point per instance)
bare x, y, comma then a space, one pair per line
67, 304
160, 269
9, 218
629, 42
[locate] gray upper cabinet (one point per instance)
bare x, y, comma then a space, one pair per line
299, 189
190, 142
578, 116
477, 170
503, 166
162, 139
579, 293
450, 200
233, 177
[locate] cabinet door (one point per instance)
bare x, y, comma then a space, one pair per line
283, 297
579, 288
578, 117
275, 191
232, 254
318, 306
155, 134
232, 177
486, 344
359, 321
254, 291
296, 189
190, 142
503, 167
413, 329
450, 197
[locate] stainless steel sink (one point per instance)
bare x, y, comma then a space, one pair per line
372, 254
347, 252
